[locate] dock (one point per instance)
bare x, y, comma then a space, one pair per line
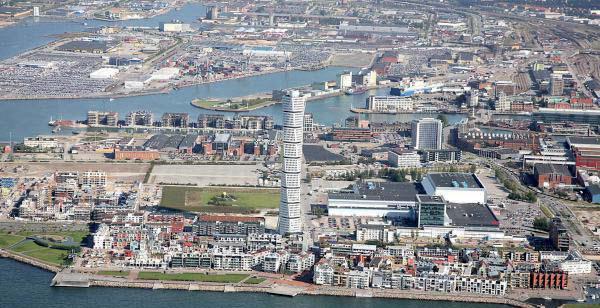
73, 280
283, 290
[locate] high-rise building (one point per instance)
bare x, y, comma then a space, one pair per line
502, 102
427, 134
432, 210
559, 237
290, 219
212, 12
345, 80
556, 85
473, 98
309, 124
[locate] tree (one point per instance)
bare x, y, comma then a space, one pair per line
541, 223
444, 119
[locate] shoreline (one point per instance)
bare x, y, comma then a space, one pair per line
163, 90
312, 290
366, 111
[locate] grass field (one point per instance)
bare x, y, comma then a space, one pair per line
197, 199
225, 278
114, 273
546, 211
31, 249
254, 280
244, 104
48, 255
54, 256
206, 103
9, 239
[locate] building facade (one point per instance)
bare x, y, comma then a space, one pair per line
427, 134
290, 220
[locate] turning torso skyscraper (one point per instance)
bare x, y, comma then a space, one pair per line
290, 219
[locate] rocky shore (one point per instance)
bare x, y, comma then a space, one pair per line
26, 260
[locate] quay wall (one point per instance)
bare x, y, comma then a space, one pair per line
17, 257
313, 290
389, 294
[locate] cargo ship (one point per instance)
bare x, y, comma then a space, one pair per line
66, 123
356, 91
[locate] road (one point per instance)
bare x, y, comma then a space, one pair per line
577, 231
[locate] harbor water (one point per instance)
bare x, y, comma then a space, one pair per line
25, 286
24, 118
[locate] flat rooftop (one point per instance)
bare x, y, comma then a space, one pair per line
455, 180
382, 191
471, 215
430, 199
576, 141
222, 138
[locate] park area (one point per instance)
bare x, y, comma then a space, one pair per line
238, 104
200, 277
219, 199
52, 248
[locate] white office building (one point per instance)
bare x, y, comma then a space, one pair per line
404, 159
503, 102
389, 103
427, 134
345, 80
290, 220
455, 187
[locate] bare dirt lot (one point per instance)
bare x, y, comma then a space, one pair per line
206, 175
352, 60
116, 171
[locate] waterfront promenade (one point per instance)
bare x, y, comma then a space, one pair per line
68, 277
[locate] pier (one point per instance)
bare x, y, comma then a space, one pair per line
69, 279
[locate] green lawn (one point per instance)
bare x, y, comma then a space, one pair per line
77, 236
244, 104
197, 198
54, 256
9, 239
26, 246
225, 278
114, 273
206, 103
49, 255
31, 249
546, 211
254, 280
